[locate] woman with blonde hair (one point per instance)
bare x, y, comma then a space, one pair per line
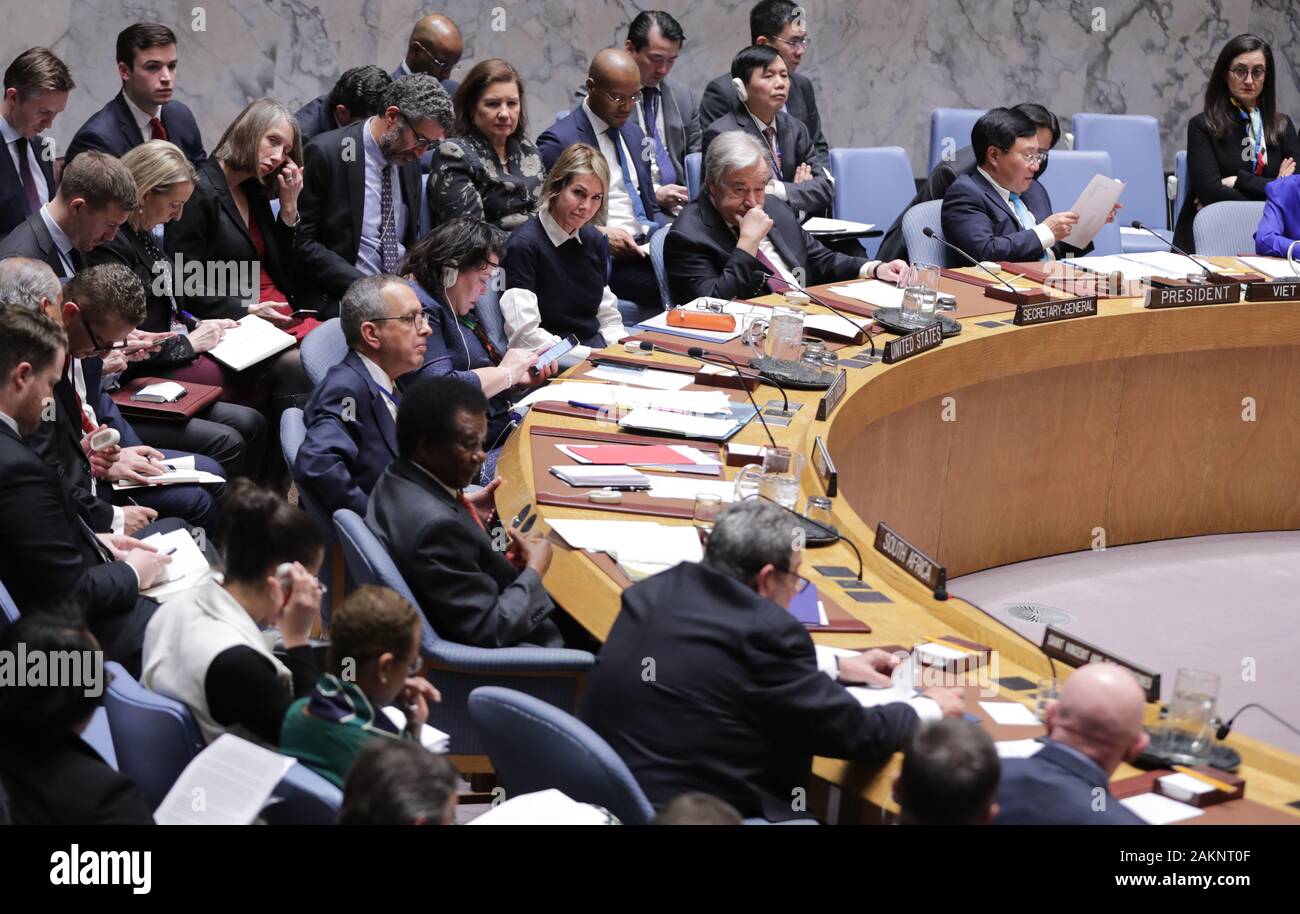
557, 263
230, 434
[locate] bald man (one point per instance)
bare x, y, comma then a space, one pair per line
604, 120
435, 48
1096, 725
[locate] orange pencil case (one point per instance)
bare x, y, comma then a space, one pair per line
701, 320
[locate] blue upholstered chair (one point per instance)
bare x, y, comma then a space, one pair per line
873, 185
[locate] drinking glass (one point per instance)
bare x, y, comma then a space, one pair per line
1187, 725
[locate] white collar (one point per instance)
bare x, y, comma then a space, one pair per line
142, 118
10, 132
757, 120
446, 488
553, 230
406, 71
11, 422
60, 237
596, 123
1002, 191
372, 145
378, 374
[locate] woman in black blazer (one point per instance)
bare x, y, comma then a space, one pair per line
1240, 142
52, 776
228, 222
226, 432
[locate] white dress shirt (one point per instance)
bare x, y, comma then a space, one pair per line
62, 243
621, 212
775, 186
523, 317
1044, 233
11, 422
380, 377
77, 377
766, 248
926, 709
11, 137
142, 118
639, 109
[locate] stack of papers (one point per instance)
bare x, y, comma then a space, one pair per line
622, 477
172, 477
686, 489
872, 292
431, 738
642, 377
668, 458
818, 225
1010, 714
642, 548
162, 392
675, 423
1183, 787
546, 807
233, 777
188, 568
251, 342
703, 402
1158, 264
1272, 267
743, 313
834, 325
1154, 809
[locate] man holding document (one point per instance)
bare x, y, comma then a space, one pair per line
1000, 212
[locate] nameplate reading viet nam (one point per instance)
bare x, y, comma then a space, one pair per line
1063, 310
1182, 296
914, 343
834, 394
1273, 291
909, 558
1077, 652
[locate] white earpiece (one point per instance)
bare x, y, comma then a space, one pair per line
741, 92
449, 277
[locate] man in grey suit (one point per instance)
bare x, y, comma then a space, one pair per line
475, 588
778, 23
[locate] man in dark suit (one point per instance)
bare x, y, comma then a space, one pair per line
95, 196
999, 212
351, 417
475, 588
736, 242
435, 48
963, 163
949, 776
48, 551
143, 109
358, 94
604, 121
360, 203
1096, 725
669, 110
799, 176
779, 23
36, 87
737, 701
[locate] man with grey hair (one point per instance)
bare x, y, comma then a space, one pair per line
32, 284
351, 417
360, 201
708, 683
737, 242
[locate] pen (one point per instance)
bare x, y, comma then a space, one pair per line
169, 551
592, 406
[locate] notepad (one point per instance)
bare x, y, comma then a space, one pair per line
188, 567
162, 392
171, 478
658, 420
599, 475
253, 341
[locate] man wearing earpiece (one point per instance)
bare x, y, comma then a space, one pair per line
351, 417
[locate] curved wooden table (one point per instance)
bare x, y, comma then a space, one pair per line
1009, 443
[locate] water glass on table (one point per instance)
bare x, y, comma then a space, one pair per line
924, 280
707, 508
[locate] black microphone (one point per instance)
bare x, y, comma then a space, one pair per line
703, 355
1225, 728
838, 313
829, 531
695, 352
932, 234
1137, 224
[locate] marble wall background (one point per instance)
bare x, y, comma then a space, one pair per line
879, 65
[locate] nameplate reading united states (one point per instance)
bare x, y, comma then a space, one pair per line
834, 394
914, 343
821, 458
1063, 310
1182, 296
1077, 652
909, 558
1284, 290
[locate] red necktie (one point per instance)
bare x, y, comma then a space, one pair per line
81, 409
156, 129
774, 282
470, 508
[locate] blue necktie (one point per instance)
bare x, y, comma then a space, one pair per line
650, 105
1024, 215
637, 207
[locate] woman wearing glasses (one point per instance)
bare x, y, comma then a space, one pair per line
487, 168
450, 271
227, 225
1240, 142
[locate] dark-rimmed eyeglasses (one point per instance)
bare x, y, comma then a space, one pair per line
417, 320
1241, 72
421, 141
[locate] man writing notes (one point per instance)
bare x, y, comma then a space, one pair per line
1000, 212
737, 242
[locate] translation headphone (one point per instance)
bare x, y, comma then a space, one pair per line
741, 91
449, 276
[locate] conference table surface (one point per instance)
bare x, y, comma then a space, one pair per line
1008, 443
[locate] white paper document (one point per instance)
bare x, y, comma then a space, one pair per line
172, 478
819, 225
657, 420
1093, 207
188, 567
687, 489
835, 325
233, 778
1170, 264
704, 402
1017, 748
162, 392
872, 292
642, 377
641, 542
596, 474
1272, 267
431, 738
1154, 809
252, 341
1183, 787
546, 807
1010, 714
